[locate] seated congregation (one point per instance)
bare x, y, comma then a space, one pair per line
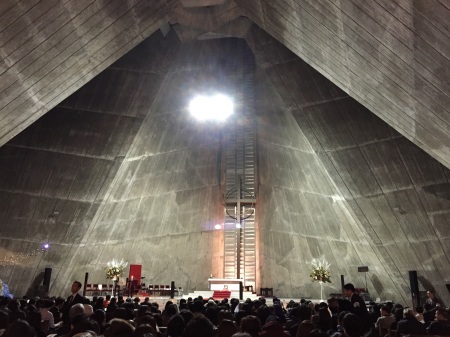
78, 316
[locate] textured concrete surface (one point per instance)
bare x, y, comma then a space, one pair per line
391, 56
355, 189
131, 176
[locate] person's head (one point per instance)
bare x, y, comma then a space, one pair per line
13, 305
199, 326
224, 314
81, 324
305, 328
34, 319
144, 330
442, 314
324, 319
304, 313
241, 334
76, 286
99, 316
108, 297
408, 313
47, 303
187, 316
419, 309
349, 289
86, 334
19, 328
118, 326
146, 320
318, 333
171, 310
143, 310
341, 317
430, 294
197, 307
398, 314
76, 310
226, 328
385, 310
211, 314
352, 325
175, 326
251, 325
4, 319
59, 302
333, 303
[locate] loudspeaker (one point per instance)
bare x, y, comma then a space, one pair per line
172, 289
241, 291
448, 287
363, 269
414, 284
47, 277
86, 278
342, 284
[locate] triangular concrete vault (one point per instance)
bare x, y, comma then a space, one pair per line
131, 176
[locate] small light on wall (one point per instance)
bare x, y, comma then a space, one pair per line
218, 226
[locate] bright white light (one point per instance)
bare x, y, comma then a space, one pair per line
216, 108
218, 226
238, 225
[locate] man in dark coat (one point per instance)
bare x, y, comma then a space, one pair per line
359, 306
410, 325
75, 298
441, 326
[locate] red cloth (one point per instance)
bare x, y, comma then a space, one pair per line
219, 294
135, 273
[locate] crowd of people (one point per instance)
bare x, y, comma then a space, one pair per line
78, 316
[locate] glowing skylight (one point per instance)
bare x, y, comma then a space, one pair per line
215, 108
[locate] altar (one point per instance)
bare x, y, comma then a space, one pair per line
224, 283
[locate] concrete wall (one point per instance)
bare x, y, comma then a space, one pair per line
334, 158
132, 176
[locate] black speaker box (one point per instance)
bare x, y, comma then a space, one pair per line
414, 284
47, 278
172, 289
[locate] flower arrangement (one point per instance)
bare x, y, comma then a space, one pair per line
115, 268
320, 272
4, 290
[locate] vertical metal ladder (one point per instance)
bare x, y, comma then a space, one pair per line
240, 187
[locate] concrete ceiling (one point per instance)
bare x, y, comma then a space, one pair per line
391, 56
